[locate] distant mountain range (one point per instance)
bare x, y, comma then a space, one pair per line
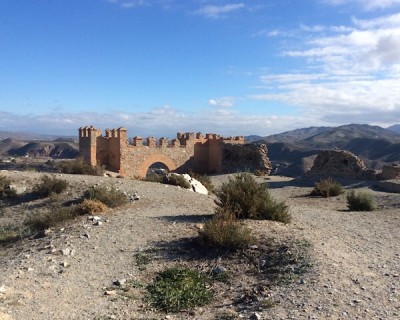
293, 152
58, 149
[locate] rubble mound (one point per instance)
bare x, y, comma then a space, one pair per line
342, 164
391, 172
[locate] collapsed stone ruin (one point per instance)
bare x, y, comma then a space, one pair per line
390, 172
342, 164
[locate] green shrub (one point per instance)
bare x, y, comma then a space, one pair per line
45, 220
5, 190
179, 288
111, 197
10, 234
360, 201
176, 180
224, 231
142, 259
327, 188
89, 206
248, 199
50, 185
79, 166
153, 177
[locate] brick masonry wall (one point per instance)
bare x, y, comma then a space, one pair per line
205, 154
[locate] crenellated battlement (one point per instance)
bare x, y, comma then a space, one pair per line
188, 151
88, 132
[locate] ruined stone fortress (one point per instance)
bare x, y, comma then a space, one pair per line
188, 152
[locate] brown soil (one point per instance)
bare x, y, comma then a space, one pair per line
333, 264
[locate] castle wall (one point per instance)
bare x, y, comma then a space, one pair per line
245, 157
199, 153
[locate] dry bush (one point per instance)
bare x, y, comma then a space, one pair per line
5, 190
50, 185
39, 222
79, 166
224, 231
10, 233
111, 197
327, 188
89, 206
248, 199
360, 201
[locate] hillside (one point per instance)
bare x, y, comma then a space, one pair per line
58, 149
292, 152
395, 128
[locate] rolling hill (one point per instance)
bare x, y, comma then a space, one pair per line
292, 152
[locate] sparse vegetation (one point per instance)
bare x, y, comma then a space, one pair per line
179, 288
79, 166
89, 206
248, 199
111, 197
142, 259
50, 185
176, 180
39, 222
154, 177
360, 201
224, 231
5, 190
10, 234
327, 188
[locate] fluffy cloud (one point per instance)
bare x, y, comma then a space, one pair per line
224, 102
367, 4
213, 11
351, 74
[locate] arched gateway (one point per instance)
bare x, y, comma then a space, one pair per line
187, 152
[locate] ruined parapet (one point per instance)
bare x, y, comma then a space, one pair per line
340, 163
390, 172
246, 157
235, 140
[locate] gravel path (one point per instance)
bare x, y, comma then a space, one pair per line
355, 257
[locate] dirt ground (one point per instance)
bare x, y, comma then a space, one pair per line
344, 265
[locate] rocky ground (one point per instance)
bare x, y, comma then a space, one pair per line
344, 265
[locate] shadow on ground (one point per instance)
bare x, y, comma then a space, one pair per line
197, 218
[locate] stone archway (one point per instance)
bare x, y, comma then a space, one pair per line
167, 161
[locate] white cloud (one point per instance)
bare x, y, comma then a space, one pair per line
128, 4
370, 46
224, 102
213, 11
367, 4
158, 122
350, 74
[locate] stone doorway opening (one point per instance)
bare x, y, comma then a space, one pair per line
156, 171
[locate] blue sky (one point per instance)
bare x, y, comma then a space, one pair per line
230, 67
